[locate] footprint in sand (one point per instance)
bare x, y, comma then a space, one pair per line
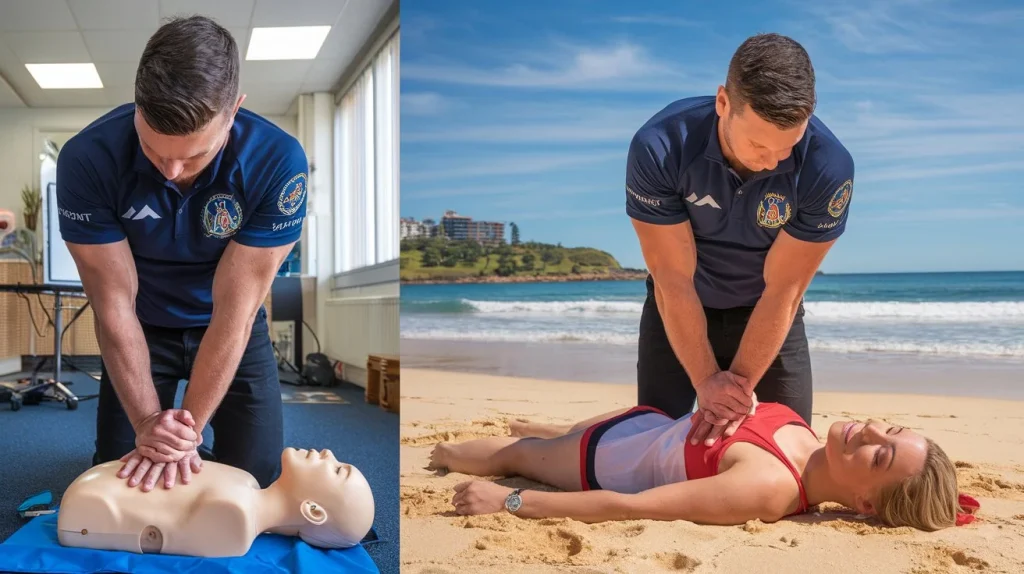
677, 561
959, 557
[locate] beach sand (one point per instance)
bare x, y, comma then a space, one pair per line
984, 436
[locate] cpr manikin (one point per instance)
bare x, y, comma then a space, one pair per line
221, 511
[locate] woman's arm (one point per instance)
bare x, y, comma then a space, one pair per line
730, 498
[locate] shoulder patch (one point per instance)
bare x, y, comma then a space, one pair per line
292, 194
840, 199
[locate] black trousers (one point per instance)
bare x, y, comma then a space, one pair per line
247, 426
663, 383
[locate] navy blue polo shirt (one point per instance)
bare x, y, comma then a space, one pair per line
253, 192
676, 172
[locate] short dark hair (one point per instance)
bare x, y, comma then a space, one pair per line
773, 73
187, 76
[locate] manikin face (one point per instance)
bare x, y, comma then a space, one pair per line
333, 497
867, 457
756, 144
181, 158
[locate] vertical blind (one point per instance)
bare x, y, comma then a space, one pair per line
367, 166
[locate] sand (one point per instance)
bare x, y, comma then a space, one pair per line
984, 436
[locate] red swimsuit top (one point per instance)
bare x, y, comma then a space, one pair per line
702, 461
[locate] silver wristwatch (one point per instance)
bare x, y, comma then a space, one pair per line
513, 501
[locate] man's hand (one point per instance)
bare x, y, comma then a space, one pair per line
723, 398
712, 427
144, 471
480, 497
165, 437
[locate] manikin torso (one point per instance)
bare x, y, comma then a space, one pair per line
214, 515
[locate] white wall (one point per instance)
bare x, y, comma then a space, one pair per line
19, 148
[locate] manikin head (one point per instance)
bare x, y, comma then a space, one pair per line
766, 102
186, 96
893, 473
333, 498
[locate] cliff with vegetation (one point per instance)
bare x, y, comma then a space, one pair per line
438, 260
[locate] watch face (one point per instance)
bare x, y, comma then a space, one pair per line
513, 503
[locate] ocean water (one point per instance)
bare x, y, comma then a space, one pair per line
979, 315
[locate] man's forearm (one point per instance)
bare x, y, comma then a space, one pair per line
686, 327
766, 330
217, 361
126, 357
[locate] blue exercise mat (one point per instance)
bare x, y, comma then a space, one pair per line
34, 548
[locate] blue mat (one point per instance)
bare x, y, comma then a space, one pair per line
35, 549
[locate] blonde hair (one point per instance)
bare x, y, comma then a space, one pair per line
927, 500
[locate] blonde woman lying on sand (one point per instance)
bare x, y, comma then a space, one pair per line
639, 464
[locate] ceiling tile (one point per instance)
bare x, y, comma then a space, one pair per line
68, 99
270, 98
115, 14
117, 45
116, 73
278, 72
26, 15
292, 13
227, 13
241, 36
117, 95
357, 22
323, 75
8, 98
48, 47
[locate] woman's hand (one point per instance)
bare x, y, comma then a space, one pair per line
480, 497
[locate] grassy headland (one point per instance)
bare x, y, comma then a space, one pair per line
438, 260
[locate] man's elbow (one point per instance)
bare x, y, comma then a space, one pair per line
673, 279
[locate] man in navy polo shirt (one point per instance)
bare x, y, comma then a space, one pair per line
179, 210
736, 199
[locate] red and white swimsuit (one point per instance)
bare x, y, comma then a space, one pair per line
644, 448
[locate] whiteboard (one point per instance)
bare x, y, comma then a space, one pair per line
58, 266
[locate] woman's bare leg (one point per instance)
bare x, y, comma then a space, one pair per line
547, 430
554, 461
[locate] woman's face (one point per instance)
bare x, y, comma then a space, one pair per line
868, 457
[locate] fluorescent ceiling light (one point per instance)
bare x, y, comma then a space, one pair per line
65, 76
286, 43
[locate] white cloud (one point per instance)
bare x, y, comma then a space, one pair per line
904, 173
518, 190
952, 213
617, 67
423, 103
654, 20
569, 122
510, 165
566, 214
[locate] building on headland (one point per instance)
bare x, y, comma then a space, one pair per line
456, 227
409, 228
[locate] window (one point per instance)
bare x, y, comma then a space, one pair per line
366, 166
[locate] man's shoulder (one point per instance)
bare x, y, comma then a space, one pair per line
105, 136
264, 151
825, 152
257, 138
681, 119
680, 130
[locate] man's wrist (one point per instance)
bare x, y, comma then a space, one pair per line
140, 420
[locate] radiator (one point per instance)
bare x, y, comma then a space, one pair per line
358, 327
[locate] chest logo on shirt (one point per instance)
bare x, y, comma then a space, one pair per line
292, 194
773, 211
840, 199
222, 216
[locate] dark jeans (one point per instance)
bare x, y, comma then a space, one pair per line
247, 425
663, 383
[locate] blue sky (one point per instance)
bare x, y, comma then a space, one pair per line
523, 111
